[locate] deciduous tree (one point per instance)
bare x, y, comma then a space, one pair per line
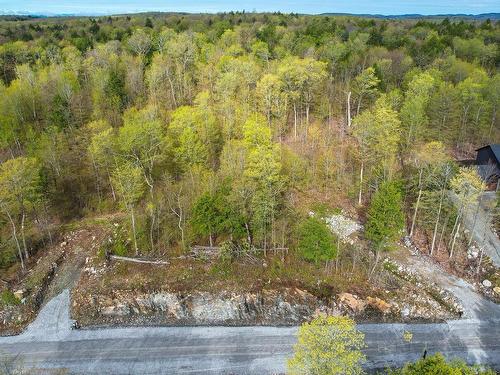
328, 345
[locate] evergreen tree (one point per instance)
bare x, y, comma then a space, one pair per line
316, 241
385, 222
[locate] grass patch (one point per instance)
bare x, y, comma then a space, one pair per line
7, 298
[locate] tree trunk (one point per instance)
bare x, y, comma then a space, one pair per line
361, 183
445, 223
359, 105
455, 225
113, 194
349, 109
132, 216
417, 204
96, 176
454, 240
307, 116
14, 233
249, 237
377, 256
294, 121
172, 91
179, 224
151, 229
434, 235
26, 254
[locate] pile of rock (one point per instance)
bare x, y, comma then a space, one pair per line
439, 296
357, 305
473, 252
344, 227
491, 291
407, 242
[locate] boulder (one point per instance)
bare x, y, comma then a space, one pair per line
379, 304
487, 283
497, 290
405, 312
352, 301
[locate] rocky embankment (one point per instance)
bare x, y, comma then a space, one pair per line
268, 307
288, 306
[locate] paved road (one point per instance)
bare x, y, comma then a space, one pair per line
49, 343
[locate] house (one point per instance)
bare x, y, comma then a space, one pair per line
488, 165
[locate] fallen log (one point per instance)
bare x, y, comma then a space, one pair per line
135, 260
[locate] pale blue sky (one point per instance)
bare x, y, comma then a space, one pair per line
316, 6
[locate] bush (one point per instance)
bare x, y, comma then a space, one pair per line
316, 241
119, 248
7, 257
437, 364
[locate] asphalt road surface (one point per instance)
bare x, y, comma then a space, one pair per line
49, 344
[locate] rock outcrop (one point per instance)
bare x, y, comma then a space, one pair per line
352, 302
289, 306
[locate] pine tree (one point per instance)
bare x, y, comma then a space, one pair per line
316, 242
385, 218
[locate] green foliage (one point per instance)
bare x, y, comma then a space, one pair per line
378, 133
365, 85
7, 298
467, 184
413, 112
213, 215
328, 345
140, 140
316, 241
119, 248
129, 184
150, 112
437, 364
194, 136
385, 221
19, 179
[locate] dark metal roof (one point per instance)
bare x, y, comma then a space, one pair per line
496, 150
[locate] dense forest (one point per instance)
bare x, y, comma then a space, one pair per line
230, 129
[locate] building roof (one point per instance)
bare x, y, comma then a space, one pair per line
496, 150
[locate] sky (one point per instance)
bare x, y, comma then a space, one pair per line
386, 7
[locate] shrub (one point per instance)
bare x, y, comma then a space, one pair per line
316, 241
437, 364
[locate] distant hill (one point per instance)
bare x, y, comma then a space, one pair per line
483, 16
19, 16
15, 17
